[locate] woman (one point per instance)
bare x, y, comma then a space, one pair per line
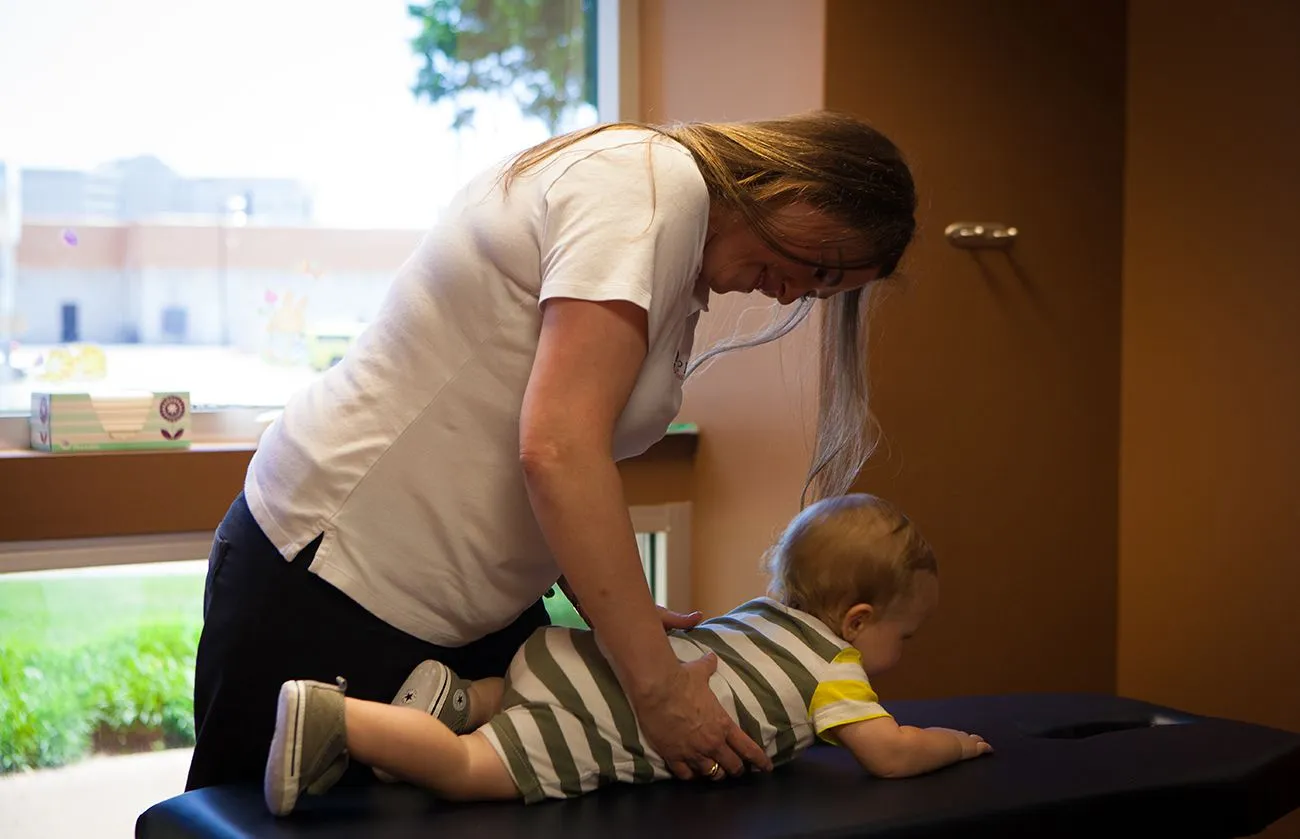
421, 496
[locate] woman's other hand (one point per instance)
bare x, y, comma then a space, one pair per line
676, 620
669, 619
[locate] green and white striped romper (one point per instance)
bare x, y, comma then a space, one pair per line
566, 727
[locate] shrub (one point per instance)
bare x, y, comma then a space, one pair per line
128, 691
42, 720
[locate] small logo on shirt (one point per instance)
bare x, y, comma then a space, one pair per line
679, 366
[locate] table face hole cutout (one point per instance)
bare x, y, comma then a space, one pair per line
1083, 730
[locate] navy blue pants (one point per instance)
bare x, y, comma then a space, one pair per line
266, 621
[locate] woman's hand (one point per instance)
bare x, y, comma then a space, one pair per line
684, 722
676, 620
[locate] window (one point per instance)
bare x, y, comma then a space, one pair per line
214, 198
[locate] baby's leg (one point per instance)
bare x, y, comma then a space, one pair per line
457, 703
484, 700
413, 746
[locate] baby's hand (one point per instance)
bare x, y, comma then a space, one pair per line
972, 745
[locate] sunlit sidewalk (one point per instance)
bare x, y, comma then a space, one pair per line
99, 796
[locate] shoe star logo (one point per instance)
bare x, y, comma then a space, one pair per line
408, 697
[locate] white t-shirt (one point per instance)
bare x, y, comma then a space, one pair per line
406, 454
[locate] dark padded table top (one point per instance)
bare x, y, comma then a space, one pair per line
1066, 765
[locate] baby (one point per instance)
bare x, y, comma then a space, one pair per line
852, 579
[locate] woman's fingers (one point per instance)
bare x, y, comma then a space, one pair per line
676, 620
688, 727
747, 751
706, 664
737, 748
681, 770
719, 764
714, 772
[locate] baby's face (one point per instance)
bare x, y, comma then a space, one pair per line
881, 641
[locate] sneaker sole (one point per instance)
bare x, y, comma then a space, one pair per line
416, 677
283, 767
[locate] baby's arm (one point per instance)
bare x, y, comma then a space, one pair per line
888, 750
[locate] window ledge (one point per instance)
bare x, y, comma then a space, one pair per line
96, 494
197, 448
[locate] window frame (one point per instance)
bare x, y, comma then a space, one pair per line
89, 495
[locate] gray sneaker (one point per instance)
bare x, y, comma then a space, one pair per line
309, 751
435, 689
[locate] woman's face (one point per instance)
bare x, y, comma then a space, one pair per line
737, 259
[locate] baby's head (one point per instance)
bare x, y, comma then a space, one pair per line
862, 568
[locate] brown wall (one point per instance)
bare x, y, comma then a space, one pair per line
997, 382
996, 374
1210, 516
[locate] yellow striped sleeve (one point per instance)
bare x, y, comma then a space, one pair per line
846, 664
843, 697
828, 734
841, 690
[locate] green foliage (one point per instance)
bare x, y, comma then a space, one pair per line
42, 721
145, 684
541, 52
127, 690
561, 611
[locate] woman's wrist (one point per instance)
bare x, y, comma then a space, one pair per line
648, 684
640, 654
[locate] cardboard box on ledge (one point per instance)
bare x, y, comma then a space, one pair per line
93, 422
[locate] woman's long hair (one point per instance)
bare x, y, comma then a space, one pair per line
848, 172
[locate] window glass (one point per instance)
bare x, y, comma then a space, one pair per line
214, 197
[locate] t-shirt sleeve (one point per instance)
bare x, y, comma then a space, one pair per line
626, 222
843, 695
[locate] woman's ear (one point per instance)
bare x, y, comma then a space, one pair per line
855, 620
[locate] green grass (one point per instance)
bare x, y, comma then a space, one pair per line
67, 610
94, 661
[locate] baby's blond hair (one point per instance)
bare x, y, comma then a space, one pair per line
845, 550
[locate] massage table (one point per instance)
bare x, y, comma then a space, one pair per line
1065, 765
